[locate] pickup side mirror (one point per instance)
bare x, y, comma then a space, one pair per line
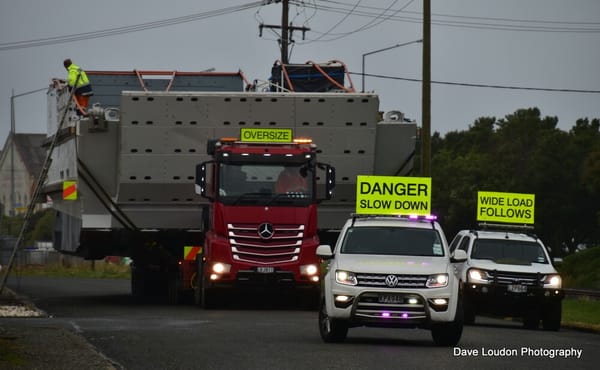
459, 256
324, 251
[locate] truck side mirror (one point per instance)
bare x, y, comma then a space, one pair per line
329, 180
204, 180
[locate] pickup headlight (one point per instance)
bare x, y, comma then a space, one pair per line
553, 281
345, 277
478, 276
437, 281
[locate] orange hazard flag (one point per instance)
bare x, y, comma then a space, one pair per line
70, 190
190, 252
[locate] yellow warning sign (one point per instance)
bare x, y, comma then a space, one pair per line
393, 195
514, 208
70, 190
266, 135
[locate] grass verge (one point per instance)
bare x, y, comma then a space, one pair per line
88, 269
581, 313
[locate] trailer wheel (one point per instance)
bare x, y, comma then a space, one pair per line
173, 292
138, 286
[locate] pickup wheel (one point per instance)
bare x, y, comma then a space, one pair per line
469, 312
531, 320
552, 316
447, 334
331, 330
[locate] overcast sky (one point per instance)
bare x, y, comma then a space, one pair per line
547, 44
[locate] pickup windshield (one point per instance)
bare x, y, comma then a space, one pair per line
396, 241
512, 252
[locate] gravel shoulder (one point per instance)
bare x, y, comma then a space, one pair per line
30, 340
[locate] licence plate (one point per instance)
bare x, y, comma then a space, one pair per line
391, 299
265, 269
517, 288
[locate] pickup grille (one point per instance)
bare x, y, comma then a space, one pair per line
403, 281
248, 246
509, 278
400, 306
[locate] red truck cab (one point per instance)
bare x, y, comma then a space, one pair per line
261, 229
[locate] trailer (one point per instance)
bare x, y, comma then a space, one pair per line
134, 170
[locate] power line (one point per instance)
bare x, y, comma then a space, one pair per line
506, 87
127, 29
489, 23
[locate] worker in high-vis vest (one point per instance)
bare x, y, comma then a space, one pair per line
78, 79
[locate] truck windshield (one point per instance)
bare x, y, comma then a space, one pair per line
258, 183
512, 252
397, 241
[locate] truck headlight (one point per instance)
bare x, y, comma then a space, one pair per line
221, 268
437, 281
552, 281
309, 270
345, 277
477, 276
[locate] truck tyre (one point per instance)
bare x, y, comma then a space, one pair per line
332, 330
552, 316
447, 334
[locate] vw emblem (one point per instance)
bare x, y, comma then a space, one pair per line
391, 280
265, 230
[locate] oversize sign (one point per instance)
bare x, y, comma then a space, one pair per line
391, 195
266, 135
505, 207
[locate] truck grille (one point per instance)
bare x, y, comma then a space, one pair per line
399, 306
403, 281
509, 278
282, 246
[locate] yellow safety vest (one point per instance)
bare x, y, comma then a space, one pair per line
75, 71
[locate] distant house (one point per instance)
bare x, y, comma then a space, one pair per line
28, 160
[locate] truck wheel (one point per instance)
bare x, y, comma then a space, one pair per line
552, 316
198, 283
447, 334
331, 330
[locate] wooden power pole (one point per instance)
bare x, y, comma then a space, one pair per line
426, 95
286, 31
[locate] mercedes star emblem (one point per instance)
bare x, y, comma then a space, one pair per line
265, 230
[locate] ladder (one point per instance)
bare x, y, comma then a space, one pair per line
36, 192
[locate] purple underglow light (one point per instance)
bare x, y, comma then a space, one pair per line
413, 217
385, 314
431, 217
404, 315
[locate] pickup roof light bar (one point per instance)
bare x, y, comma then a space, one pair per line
356, 216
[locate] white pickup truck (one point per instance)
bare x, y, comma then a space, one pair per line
508, 273
390, 271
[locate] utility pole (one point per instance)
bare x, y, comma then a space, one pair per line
286, 31
426, 94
